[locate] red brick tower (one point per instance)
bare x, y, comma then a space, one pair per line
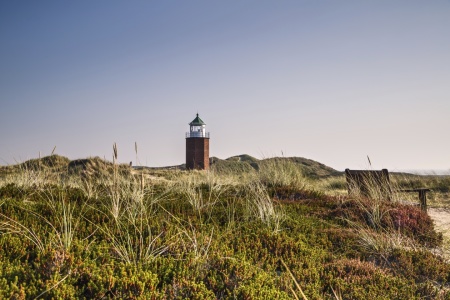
197, 146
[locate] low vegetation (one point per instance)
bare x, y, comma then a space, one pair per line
279, 228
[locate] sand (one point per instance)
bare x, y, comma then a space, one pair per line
441, 218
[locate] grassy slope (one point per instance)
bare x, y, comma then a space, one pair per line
201, 235
309, 167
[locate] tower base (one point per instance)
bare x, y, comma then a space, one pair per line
197, 153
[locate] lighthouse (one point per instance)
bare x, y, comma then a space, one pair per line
197, 146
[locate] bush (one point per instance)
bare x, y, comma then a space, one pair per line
199, 235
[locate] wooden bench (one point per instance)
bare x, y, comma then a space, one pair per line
368, 182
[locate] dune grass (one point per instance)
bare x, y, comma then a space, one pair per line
99, 230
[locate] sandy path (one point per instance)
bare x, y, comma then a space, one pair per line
441, 218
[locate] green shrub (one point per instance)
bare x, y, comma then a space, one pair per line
224, 236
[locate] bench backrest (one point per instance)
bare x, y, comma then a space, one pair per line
369, 183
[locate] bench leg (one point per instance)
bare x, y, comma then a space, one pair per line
423, 200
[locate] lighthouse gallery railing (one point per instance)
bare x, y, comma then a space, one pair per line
195, 134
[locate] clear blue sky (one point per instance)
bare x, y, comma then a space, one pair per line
332, 81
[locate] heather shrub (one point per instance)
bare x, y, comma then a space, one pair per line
356, 279
105, 231
409, 220
414, 223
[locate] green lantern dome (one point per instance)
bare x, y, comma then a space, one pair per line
197, 122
